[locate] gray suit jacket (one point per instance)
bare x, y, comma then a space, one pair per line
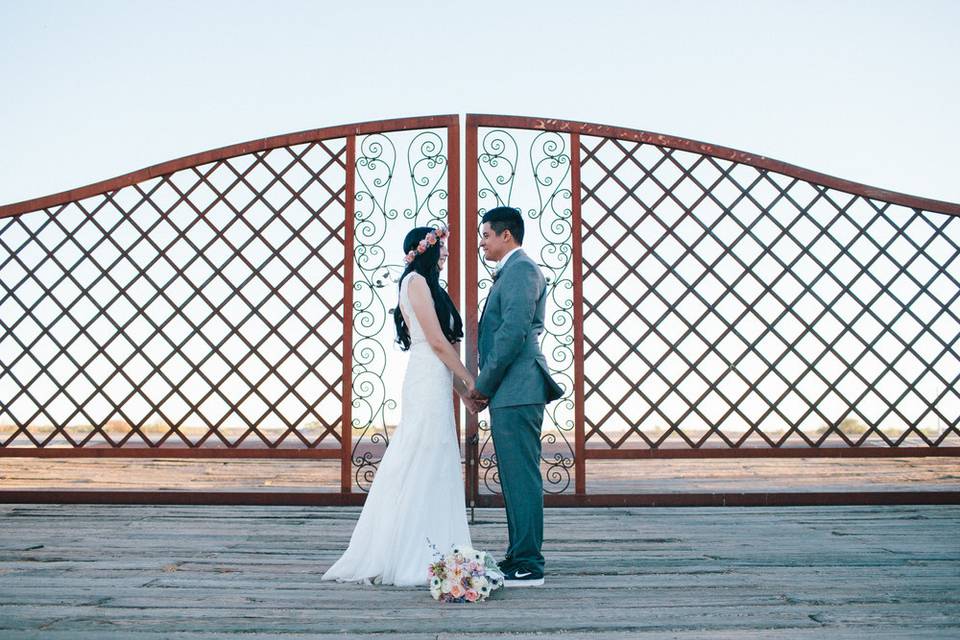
513, 370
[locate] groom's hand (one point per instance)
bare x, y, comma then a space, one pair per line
480, 400
473, 405
470, 404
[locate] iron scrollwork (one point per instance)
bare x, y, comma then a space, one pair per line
550, 163
375, 166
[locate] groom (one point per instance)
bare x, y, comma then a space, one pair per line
515, 381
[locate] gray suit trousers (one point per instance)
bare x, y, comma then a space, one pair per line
516, 442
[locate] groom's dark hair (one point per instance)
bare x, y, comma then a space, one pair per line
501, 218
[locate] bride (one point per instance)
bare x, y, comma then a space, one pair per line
416, 498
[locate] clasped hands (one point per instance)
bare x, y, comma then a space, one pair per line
473, 400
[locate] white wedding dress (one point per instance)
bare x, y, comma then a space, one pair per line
417, 493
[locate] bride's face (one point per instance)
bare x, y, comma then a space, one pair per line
443, 256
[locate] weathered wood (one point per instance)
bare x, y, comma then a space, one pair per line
101, 571
603, 476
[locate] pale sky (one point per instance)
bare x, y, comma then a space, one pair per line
865, 91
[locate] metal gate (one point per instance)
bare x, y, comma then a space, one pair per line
703, 303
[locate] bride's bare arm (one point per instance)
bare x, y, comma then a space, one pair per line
422, 303
461, 388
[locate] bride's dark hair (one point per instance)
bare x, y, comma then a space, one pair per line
426, 265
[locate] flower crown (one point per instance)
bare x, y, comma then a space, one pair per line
428, 241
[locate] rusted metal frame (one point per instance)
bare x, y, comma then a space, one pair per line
144, 451
787, 308
902, 268
699, 453
255, 191
731, 499
346, 378
808, 288
712, 386
26, 351
590, 453
879, 214
183, 198
802, 209
223, 153
671, 307
453, 245
197, 292
471, 247
315, 174
716, 151
613, 289
629, 192
809, 329
746, 499
294, 272
266, 498
261, 160
865, 309
67, 273
183, 234
41, 368
576, 240
826, 269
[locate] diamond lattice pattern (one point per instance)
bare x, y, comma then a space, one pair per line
199, 308
727, 305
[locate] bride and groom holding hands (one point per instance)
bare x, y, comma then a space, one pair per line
416, 501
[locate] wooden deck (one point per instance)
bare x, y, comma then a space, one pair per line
603, 476
104, 571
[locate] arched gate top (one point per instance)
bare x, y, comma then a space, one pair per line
483, 120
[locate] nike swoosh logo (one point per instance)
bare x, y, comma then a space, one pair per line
522, 574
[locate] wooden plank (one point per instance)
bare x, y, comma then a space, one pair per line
101, 571
603, 476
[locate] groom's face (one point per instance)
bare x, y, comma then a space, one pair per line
494, 247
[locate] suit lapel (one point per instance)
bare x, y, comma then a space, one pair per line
509, 261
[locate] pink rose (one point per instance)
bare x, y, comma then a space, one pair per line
472, 595
456, 590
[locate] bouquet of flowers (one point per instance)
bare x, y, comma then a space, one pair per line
463, 575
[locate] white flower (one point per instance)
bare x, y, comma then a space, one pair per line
446, 585
478, 583
435, 592
435, 582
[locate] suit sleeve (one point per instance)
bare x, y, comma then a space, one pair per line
518, 306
